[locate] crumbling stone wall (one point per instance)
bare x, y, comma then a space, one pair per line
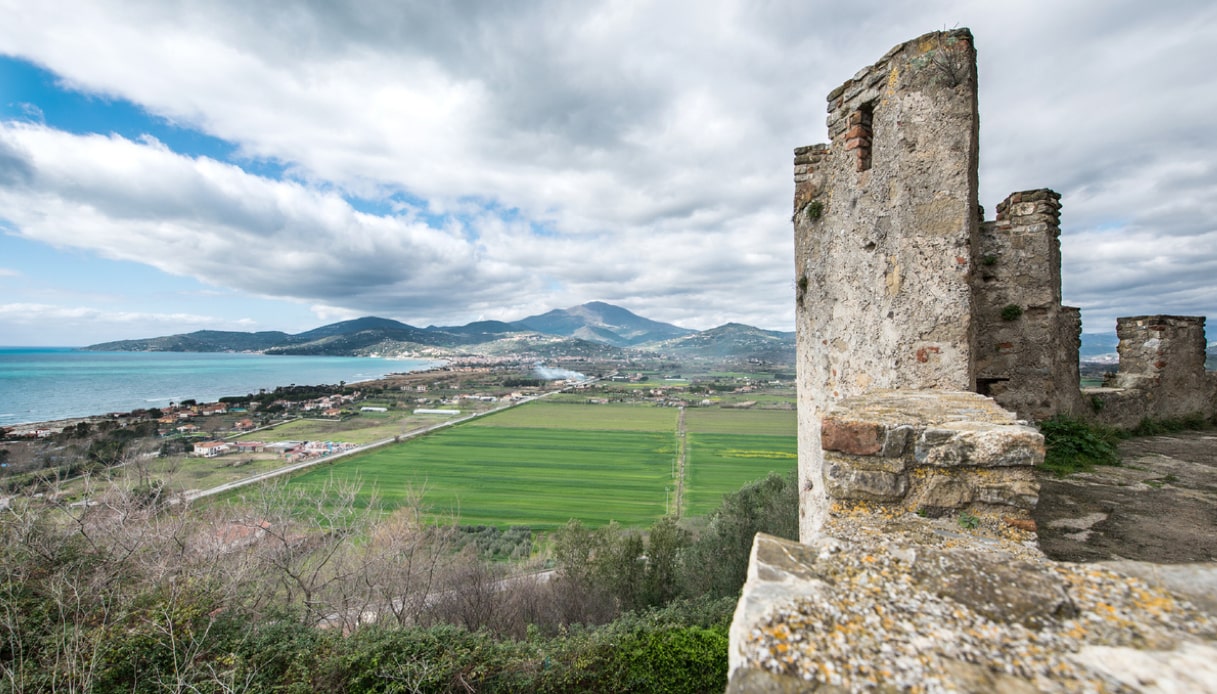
885, 223
1027, 344
1161, 373
901, 312
932, 452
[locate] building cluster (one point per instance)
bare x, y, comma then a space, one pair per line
291, 451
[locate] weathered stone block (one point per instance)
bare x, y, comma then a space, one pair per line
863, 437
1013, 487
928, 449
979, 444
843, 481
1013, 593
939, 490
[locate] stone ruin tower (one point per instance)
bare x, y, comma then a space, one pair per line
926, 338
903, 291
902, 285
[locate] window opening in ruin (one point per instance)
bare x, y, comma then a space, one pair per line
858, 137
985, 386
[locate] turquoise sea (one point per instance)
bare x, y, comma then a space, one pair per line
39, 384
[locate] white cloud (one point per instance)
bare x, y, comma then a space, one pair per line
9, 272
27, 313
638, 153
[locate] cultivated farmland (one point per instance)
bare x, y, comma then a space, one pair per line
544, 463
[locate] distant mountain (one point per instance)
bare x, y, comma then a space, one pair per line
352, 336
600, 322
200, 341
594, 330
732, 340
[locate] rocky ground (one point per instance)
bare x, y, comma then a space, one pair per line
1159, 505
1154, 516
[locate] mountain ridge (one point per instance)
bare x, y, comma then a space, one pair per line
592, 329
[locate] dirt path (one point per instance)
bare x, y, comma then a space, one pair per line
680, 463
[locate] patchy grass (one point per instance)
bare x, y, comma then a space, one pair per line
1157, 427
361, 429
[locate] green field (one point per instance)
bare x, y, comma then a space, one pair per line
715, 420
361, 429
721, 463
544, 463
585, 417
505, 476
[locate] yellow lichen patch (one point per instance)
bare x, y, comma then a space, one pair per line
779, 631
1155, 603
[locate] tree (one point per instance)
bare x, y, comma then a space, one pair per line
717, 562
666, 543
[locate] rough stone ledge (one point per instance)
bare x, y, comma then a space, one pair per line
894, 602
934, 450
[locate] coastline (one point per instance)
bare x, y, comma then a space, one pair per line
123, 382
58, 425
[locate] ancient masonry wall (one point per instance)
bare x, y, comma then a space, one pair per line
1026, 347
885, 223
905, 307
1161, 374
933, 452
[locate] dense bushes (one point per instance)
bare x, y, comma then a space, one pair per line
281, 596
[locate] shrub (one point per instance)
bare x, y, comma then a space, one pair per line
1074, 446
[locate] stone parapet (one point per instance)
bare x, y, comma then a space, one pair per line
884, 601
1161, 368
930, 451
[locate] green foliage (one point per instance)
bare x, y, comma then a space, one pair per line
988, 260
1011, 312
143, 606
718, 560
815, 209
1074, 446
968, 521
494, 543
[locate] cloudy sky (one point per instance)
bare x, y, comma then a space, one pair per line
172, 166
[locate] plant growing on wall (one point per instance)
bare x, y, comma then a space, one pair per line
1011, 312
